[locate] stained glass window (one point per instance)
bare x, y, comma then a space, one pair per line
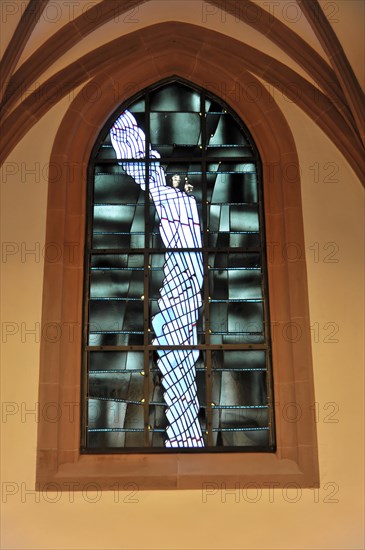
177, 333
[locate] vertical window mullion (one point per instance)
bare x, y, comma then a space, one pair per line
206, 291
146, 265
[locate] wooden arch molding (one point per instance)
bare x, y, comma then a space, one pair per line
58, 458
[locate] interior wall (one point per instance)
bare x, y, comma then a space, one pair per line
333, 221
327, 518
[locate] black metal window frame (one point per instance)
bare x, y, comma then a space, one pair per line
207, 348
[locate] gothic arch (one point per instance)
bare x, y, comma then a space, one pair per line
58, 443
181, 41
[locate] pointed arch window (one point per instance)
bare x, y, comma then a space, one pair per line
176, 350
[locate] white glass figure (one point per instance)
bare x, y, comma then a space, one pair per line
180, 298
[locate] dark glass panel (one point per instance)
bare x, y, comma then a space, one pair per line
112, 187
105, 415
138, 107
114, 423
117, 261
242, 407
245, 438
106, 440
241, 388
113, 218
222, 130
225, 137
211, 106
174, 128
124, 394
116, 360
231, 220
222, 152
175, 97
235, 276
126, 386
244, 218
116, 276
116, 283
236, 322
118, 226
227, 184
116, 322
110, 241
239, 359
248, 240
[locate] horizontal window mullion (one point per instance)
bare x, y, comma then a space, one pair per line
236, 300
124, 430
150, 347
187, 159
248, 407
246, 429
209, 249
198, 369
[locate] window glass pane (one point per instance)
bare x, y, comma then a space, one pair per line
247, 360
116, 361
175, 281
236, 322
109, 280
115, 389
114, 186
174, 128
107, 151
231, 183
116, 300
138, 107
176, 305
224, 136
157, 410
175, 97
223, 131
242, 408
118, 225
233, 211
235, 276
176, 211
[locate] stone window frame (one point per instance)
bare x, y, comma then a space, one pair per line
59, 460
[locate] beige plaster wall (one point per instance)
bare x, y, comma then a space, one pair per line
327, 518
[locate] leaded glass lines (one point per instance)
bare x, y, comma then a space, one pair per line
177, 205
